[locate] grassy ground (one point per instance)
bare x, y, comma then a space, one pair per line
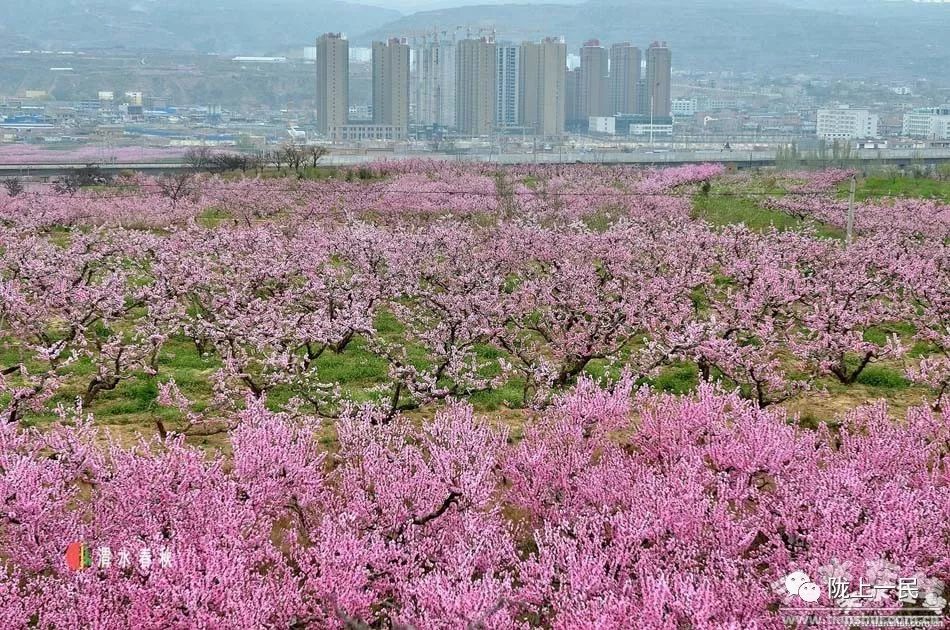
727, 210
899, 186
725, 206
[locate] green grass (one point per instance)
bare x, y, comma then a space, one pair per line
602, 220
213, 217
676, 379
899, 186
508, 395
731, 210
879, 334
883, 377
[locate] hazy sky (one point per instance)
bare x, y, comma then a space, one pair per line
409, 6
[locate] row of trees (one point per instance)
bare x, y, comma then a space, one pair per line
630, 511
292, 156
617, 507
400, 191
471, 308
200, 160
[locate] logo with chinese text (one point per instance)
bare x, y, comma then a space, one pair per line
80, 557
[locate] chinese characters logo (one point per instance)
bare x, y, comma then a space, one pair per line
878, 591
79, 557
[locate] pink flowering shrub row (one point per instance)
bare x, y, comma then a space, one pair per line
398, 191
910, 216
814, 197
616, 509
823, 181
476, 307
267, 278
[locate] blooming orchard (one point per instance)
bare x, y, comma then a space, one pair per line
619, 506
687, 520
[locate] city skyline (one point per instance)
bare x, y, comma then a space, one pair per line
476, 85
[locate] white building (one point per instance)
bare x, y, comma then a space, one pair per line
646, 129
603, 124
259, 59
507, 73
367, 132
707, 104
432, 78
685, 107
932, 123
844, 123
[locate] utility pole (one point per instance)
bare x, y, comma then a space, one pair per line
850, 228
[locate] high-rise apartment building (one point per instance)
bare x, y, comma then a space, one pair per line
432, 94
475, 86
391, 83
643, 98
508, 69
544, 86
572, 100
624, 76
593, 80
333, 82
659, 78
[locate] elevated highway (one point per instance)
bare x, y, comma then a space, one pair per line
901, 158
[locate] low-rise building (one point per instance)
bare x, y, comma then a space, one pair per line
932, 123
685, 107
632, 125
644, 125
602, 124
845, 123
367, 132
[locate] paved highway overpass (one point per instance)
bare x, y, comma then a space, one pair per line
901, 158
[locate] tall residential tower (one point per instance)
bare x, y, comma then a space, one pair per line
508, 69
475, 86
624, 75
544, 86
433, 78
659, 79
572, 100
391, 83
593, 80
333, 81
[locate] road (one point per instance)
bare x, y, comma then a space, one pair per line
740, 159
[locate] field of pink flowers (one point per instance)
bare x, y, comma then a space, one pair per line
358, 347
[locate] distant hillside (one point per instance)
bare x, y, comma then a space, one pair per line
892, 40
12, 41
223, 26
898, 40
